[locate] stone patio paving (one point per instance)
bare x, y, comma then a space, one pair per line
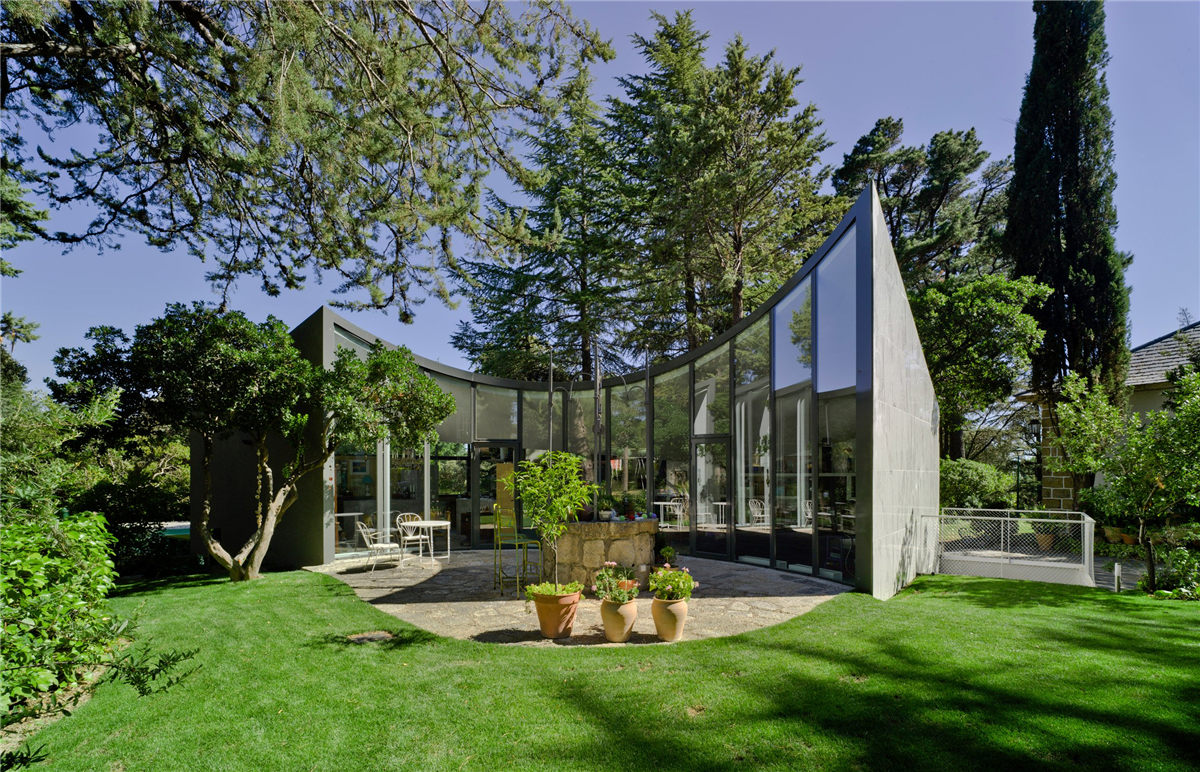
458, 600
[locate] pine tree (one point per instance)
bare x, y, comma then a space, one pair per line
563, 290
1061, 217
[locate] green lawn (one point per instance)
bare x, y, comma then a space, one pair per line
955, 673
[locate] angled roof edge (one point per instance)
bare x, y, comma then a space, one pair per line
860, 209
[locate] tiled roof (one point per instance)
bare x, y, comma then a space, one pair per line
1150, 362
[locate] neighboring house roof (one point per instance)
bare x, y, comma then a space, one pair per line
1150, 362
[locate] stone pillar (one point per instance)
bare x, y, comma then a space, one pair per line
1058, 487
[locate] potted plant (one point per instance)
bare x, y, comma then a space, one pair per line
551, 489
668, 554
617, 588
608, 506
671, 587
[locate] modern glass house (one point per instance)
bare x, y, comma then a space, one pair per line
803, 439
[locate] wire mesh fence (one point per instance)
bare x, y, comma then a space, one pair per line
1042, 546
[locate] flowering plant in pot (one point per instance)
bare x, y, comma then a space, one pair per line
617, 588
671, 587
551, 489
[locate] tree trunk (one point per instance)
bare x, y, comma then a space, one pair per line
1148, 548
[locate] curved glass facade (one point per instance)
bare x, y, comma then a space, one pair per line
758, 447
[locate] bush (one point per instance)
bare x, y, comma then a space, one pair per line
1179, 576
974, 485
55, 575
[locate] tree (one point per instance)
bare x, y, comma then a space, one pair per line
563, 288
283, 139
722, 184
1148, 461
17, 329
219, 374
944, 206
1061, 217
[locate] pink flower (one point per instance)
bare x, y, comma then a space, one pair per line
666, 565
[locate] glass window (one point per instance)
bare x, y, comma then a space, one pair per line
354, 497
407, 482
836, 317
712, 497
793, 358
793, 510
457, 426
672, 451
712, 393
535, 427
495, 413
627, 427
752, 443
581, 430
836, 507
345, 339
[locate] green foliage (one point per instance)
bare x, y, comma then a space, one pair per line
285, 140
1179, 578
551, 489
17, 329
1149, 461
217, 374
668, 554
18, 218
55, 576
551, 588
974, 485
977, 340
609, 579
944, 206
672, 583
1061, 217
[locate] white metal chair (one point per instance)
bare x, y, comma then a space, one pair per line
375, 547
410, 534
678, 509
758, 511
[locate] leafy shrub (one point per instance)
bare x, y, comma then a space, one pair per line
54, 578
1179, 576
672, 583
975, 485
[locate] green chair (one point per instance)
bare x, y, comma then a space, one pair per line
505, 534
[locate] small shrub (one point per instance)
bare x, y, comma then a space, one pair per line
672, 583
975, 485
56, 574
1179, 576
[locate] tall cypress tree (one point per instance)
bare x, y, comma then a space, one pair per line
1061, 217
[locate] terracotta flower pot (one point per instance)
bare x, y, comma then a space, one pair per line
1045, 541
556, 614
627, 584
1128, 538
669, 616
618, 619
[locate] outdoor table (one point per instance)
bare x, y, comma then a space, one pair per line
429, 525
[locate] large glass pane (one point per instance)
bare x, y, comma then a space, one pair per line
457, 426
407, 478
627, 427
495, 413
581, 435
712, 498
836, 510
449, 485
793, 512
793, 358
354, 497
752, 443
492, 465
672, 440
836, 317
712, 393
535, 426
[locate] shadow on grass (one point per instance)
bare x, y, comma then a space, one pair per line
401, 639
1010, 593
150, 586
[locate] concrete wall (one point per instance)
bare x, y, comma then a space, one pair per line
904, 431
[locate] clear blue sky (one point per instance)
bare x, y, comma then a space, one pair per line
935, 65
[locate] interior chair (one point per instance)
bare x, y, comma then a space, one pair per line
506, 534
375, 546
410, 534
758, 511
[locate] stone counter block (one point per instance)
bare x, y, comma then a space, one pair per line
584, 548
